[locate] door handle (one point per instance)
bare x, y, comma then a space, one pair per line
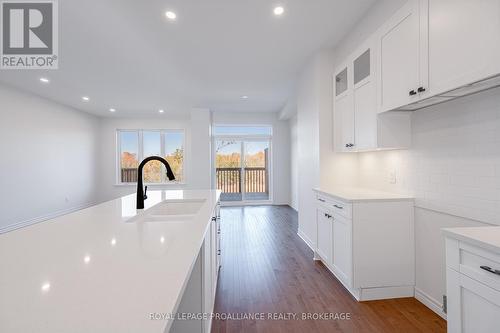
491, 270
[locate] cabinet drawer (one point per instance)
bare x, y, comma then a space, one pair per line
336, 206
480, 265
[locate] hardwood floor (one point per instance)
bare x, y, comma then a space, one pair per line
267, 268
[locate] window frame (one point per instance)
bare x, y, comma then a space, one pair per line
253, 137
140, 136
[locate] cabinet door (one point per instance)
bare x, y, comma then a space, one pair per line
399, 63
344, 122
365, 117
365, 104
324, 247
464, 42
472, 306
342, 248
207, 278
213, 255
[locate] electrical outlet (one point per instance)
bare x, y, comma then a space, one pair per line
391, 177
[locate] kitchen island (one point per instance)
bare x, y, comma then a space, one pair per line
112, 268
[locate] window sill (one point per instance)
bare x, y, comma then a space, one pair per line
152, 184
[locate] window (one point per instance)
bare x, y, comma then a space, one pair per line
135, 145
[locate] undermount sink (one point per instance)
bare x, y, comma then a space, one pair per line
171, 211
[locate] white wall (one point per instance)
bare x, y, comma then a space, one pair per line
280, 146
317, 166
197, 151
453, 169
294, 168
48, 162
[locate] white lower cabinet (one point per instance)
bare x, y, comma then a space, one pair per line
367, 245
199, 295
472, 288
342, 248
324, 244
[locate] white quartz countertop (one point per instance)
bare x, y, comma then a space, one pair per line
92, 271
360, 194
485, 237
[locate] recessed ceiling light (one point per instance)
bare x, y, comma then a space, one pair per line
112, 110
162, 239
45, 287
113, 241
161, 111
85, 98
86, 259
171, 15
278, 10
44, 80
244, 97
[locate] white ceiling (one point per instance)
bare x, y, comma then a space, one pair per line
125, 54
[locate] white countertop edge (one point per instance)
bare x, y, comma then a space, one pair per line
362, 195
465, 234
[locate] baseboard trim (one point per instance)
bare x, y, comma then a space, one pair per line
26, 223
305, 239
370, 294
430, 302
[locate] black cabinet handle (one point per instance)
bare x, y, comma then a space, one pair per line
322, 200
412, 92
491, 270
339, 207
349, 145
421, 89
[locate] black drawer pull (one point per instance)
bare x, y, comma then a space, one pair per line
491, 270
412, 92
421, 89
337, 206
322, 200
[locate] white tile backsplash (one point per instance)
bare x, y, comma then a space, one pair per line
454, 163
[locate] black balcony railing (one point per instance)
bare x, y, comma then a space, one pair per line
228, 179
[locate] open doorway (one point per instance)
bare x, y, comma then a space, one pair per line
243, 163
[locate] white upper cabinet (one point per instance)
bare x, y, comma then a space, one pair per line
464, 42
432, 51
357, 126
365, 121
402, 63
344, 111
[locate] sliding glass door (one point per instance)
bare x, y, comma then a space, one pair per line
228, 169
256, 170
243, 165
